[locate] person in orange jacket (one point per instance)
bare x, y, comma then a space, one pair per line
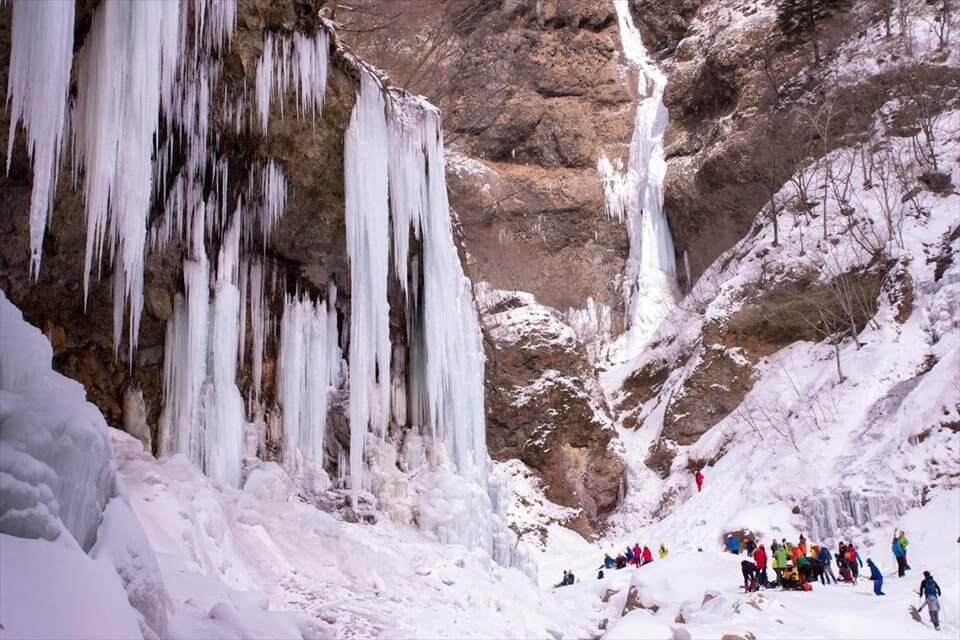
803, 545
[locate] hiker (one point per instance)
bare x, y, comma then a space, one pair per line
750, 546
930, 590
733, 545
621, 561
647, 555
760, 559
900, 555
802, 545
749, 571
823, 555
803, 568
629, 555
663, 551
607, 561
853, 561
779, 563
699, 478
903, 543
637, 554
565, 581
877, 578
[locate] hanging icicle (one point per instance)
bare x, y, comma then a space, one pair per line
41, 55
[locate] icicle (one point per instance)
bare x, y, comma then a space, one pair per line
258, 319
686, 270
242, 339
301, 63
41, 54
121, 84
365, 182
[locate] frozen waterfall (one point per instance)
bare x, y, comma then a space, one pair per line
636, 196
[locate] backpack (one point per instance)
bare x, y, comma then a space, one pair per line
930, 587
806, 586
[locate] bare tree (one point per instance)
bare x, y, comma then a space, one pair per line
941, 22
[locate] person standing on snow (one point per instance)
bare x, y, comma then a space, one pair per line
749, 571
733, 545
750, 547
876, 577
779, 563
760, 559
699, 478
823, 555
854, 561
802, 545
900, 556
629, 555
647, 555
930, 590
637, 554
903, 543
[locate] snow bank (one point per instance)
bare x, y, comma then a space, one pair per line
55, 459
53, 590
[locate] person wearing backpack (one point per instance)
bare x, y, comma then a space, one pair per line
930, 590
900, 555
779, 563
823, 555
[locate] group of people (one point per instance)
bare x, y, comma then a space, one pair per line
636, 555
797, 566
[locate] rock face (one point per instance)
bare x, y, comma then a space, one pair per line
545, 408
747, 107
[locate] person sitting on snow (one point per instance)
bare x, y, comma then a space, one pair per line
607, 561
790, 577
563, 582
663, 551
621, 561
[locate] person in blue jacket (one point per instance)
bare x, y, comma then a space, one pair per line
824, 557
930, 590
629, 554
733, 545
607, 562
877, 578
900, 555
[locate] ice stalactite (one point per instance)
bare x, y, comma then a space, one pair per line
41, 55
258, 324
368, 238
636, 196
122, 81
309, 360
298, 62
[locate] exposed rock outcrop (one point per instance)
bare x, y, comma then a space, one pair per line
544, 406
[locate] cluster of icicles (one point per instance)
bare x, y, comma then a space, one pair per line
141, 74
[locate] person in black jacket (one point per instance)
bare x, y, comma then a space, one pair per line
930, 590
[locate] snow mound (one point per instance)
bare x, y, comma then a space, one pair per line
55, 459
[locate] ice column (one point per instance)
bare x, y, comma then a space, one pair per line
368, 234
41, 54
224, 421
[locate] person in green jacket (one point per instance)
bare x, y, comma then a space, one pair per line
779, 563
903, 543
803, 567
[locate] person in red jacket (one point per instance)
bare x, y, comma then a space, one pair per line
760, 559
637, 555
699, 478
647, 555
